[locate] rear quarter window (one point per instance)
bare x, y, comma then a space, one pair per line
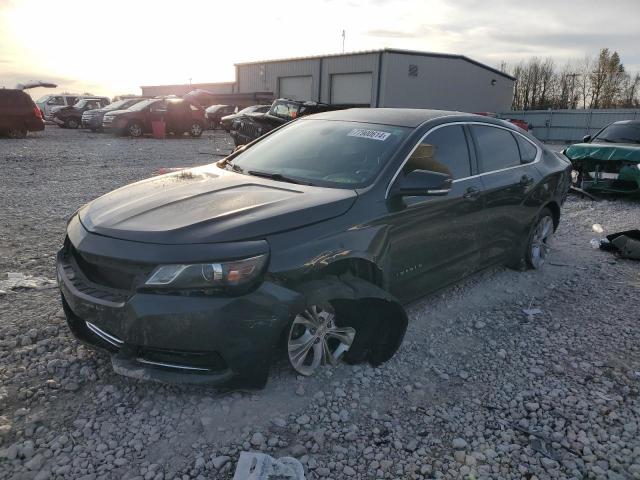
528, 151
497, 148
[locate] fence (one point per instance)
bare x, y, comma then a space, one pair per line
569, 125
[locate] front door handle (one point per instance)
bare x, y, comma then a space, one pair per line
471, 193
526, 180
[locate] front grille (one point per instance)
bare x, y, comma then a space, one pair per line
250, 129
114, 274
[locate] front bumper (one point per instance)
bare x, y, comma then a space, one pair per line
177, 338
93, 123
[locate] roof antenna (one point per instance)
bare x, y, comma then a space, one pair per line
344, 34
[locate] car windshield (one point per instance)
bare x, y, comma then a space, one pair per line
143, 104
118, 105
248, 110
323, 152
80, 103
285, 110
620, 133
43, 99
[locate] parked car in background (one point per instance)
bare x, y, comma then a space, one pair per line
92, 119
214, 114
307, 242
227, 122
18, 114
516, 121
250, 126
71, 116
179, 115
609, 161
48, 102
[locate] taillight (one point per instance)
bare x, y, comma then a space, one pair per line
38, 112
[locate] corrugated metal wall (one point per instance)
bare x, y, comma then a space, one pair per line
264, 77
443, 83
570, 125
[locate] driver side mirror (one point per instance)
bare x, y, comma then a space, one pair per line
422, 183
586, 138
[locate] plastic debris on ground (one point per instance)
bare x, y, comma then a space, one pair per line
597, 228
259, 466
20, 281
626, 244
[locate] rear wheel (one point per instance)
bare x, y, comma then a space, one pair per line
17, 132
538, 244
134, 129
72, 123
196, 129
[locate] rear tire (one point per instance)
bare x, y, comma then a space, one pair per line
17, 132
538, 241
134, 129
72, 123
196, 129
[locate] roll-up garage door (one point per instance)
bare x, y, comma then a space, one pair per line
351, 88
295, 88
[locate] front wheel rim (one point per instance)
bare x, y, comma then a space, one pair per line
315, 340
539, 241
196, 129
134, 130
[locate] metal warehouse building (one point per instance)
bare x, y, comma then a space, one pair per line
383, 78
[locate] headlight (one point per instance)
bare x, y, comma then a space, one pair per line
200, 276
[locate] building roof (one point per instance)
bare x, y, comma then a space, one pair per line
192, 85
400, 117
386, 50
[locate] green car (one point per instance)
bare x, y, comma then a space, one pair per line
610, 161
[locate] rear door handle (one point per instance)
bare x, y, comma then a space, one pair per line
471, 193
526, 180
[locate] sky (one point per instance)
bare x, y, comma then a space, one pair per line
111, 47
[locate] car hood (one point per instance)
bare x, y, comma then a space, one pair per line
604, 151
209, 204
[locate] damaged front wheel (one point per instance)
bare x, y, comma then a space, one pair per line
315, 339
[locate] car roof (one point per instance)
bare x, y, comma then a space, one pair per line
400, 117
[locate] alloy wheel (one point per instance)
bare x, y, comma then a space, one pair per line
539, 242
72, 123
196, 130
316, 340
135, 130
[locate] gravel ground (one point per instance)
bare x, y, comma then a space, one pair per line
478, 389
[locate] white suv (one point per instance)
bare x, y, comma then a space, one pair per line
48, 102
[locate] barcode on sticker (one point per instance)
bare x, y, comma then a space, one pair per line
372, 134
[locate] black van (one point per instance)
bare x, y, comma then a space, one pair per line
18, 114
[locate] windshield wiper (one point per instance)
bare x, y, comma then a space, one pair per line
278, 176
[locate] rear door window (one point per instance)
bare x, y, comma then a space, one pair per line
450, 153
497, 149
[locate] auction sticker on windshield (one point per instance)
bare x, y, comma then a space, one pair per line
372, 134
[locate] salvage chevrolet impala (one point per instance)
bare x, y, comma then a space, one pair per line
308, 242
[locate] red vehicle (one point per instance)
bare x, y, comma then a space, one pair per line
179, 115
18, 114
516, 121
